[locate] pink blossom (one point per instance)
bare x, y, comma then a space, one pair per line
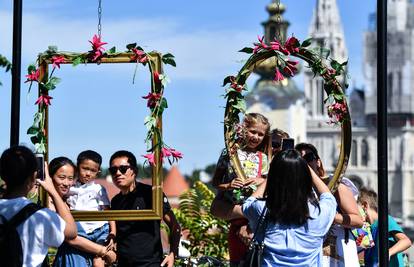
176, 154
278, 76
156, 77
331, 71
139, 56
292, 45
151, 158
57, 60
95, 55
275, 45
165, 152
260, 46
152, 99
43, 100
290, 68
97, 44
235, 85
337, 112
33, 76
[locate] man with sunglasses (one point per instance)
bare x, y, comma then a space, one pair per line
139, 242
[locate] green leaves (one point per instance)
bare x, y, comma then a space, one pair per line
51, 83
247, 50
240, 105
307, 42
131, 46
31, 68
227, 80
338, 67
77, 60
112, 50
169, 59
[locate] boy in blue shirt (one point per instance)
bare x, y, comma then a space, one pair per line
397, 240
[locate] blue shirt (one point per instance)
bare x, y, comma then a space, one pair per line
294, 245
371, 255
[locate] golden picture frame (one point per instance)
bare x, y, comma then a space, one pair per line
155, 65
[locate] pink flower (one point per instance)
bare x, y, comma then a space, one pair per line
290, 68
176, 154
156, 77
97, 48
278, 76
43, 100
152, 99
57, 60
151, 158
331, 71
260, 46
235, 85
139, 56
165, 152
292, 45
337, 112
33, 76
275, 45
97, 45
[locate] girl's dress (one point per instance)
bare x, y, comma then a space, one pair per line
68, 256
254, 164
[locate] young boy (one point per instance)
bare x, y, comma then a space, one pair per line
42, 229
397, 240
89, 196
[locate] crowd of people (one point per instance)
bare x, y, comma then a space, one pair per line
284, 196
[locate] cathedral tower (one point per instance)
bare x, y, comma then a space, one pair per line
326, 31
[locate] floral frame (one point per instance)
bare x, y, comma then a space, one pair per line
154, 60
317, 59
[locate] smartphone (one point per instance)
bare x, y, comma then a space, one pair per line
40, 159
288, 143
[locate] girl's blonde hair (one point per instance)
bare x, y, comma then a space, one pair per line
251, 119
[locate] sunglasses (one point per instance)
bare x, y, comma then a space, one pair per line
123, 169
309, 157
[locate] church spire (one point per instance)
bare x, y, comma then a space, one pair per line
326, 31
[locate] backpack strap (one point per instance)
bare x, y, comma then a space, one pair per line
23, 214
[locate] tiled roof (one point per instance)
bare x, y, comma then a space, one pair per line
174, 184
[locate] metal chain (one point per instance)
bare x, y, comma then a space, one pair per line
278, 21
99, 18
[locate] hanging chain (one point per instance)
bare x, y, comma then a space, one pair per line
99, 18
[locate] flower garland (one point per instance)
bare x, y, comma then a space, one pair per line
156, 102
317, 58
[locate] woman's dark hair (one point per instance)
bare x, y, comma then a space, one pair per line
307, 146
131, 159
17, 165
59, 162
289, 189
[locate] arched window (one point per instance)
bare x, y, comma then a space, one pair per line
364, 153
354, 153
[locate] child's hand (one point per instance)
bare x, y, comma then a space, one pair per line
110, 257
236, 183
254, 181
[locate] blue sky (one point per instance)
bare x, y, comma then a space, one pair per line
98, 107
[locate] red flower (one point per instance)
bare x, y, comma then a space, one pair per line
331, 71
57, 60
33, 76
97, 48
152, 99
43, 100
165, 152
235, 85
176, 154
151, 158
292, 45
278, 76
337, 112
97, 45
156, 77
139, 56
290, 68
275, 45
260, 45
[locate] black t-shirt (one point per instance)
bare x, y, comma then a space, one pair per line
138, 242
